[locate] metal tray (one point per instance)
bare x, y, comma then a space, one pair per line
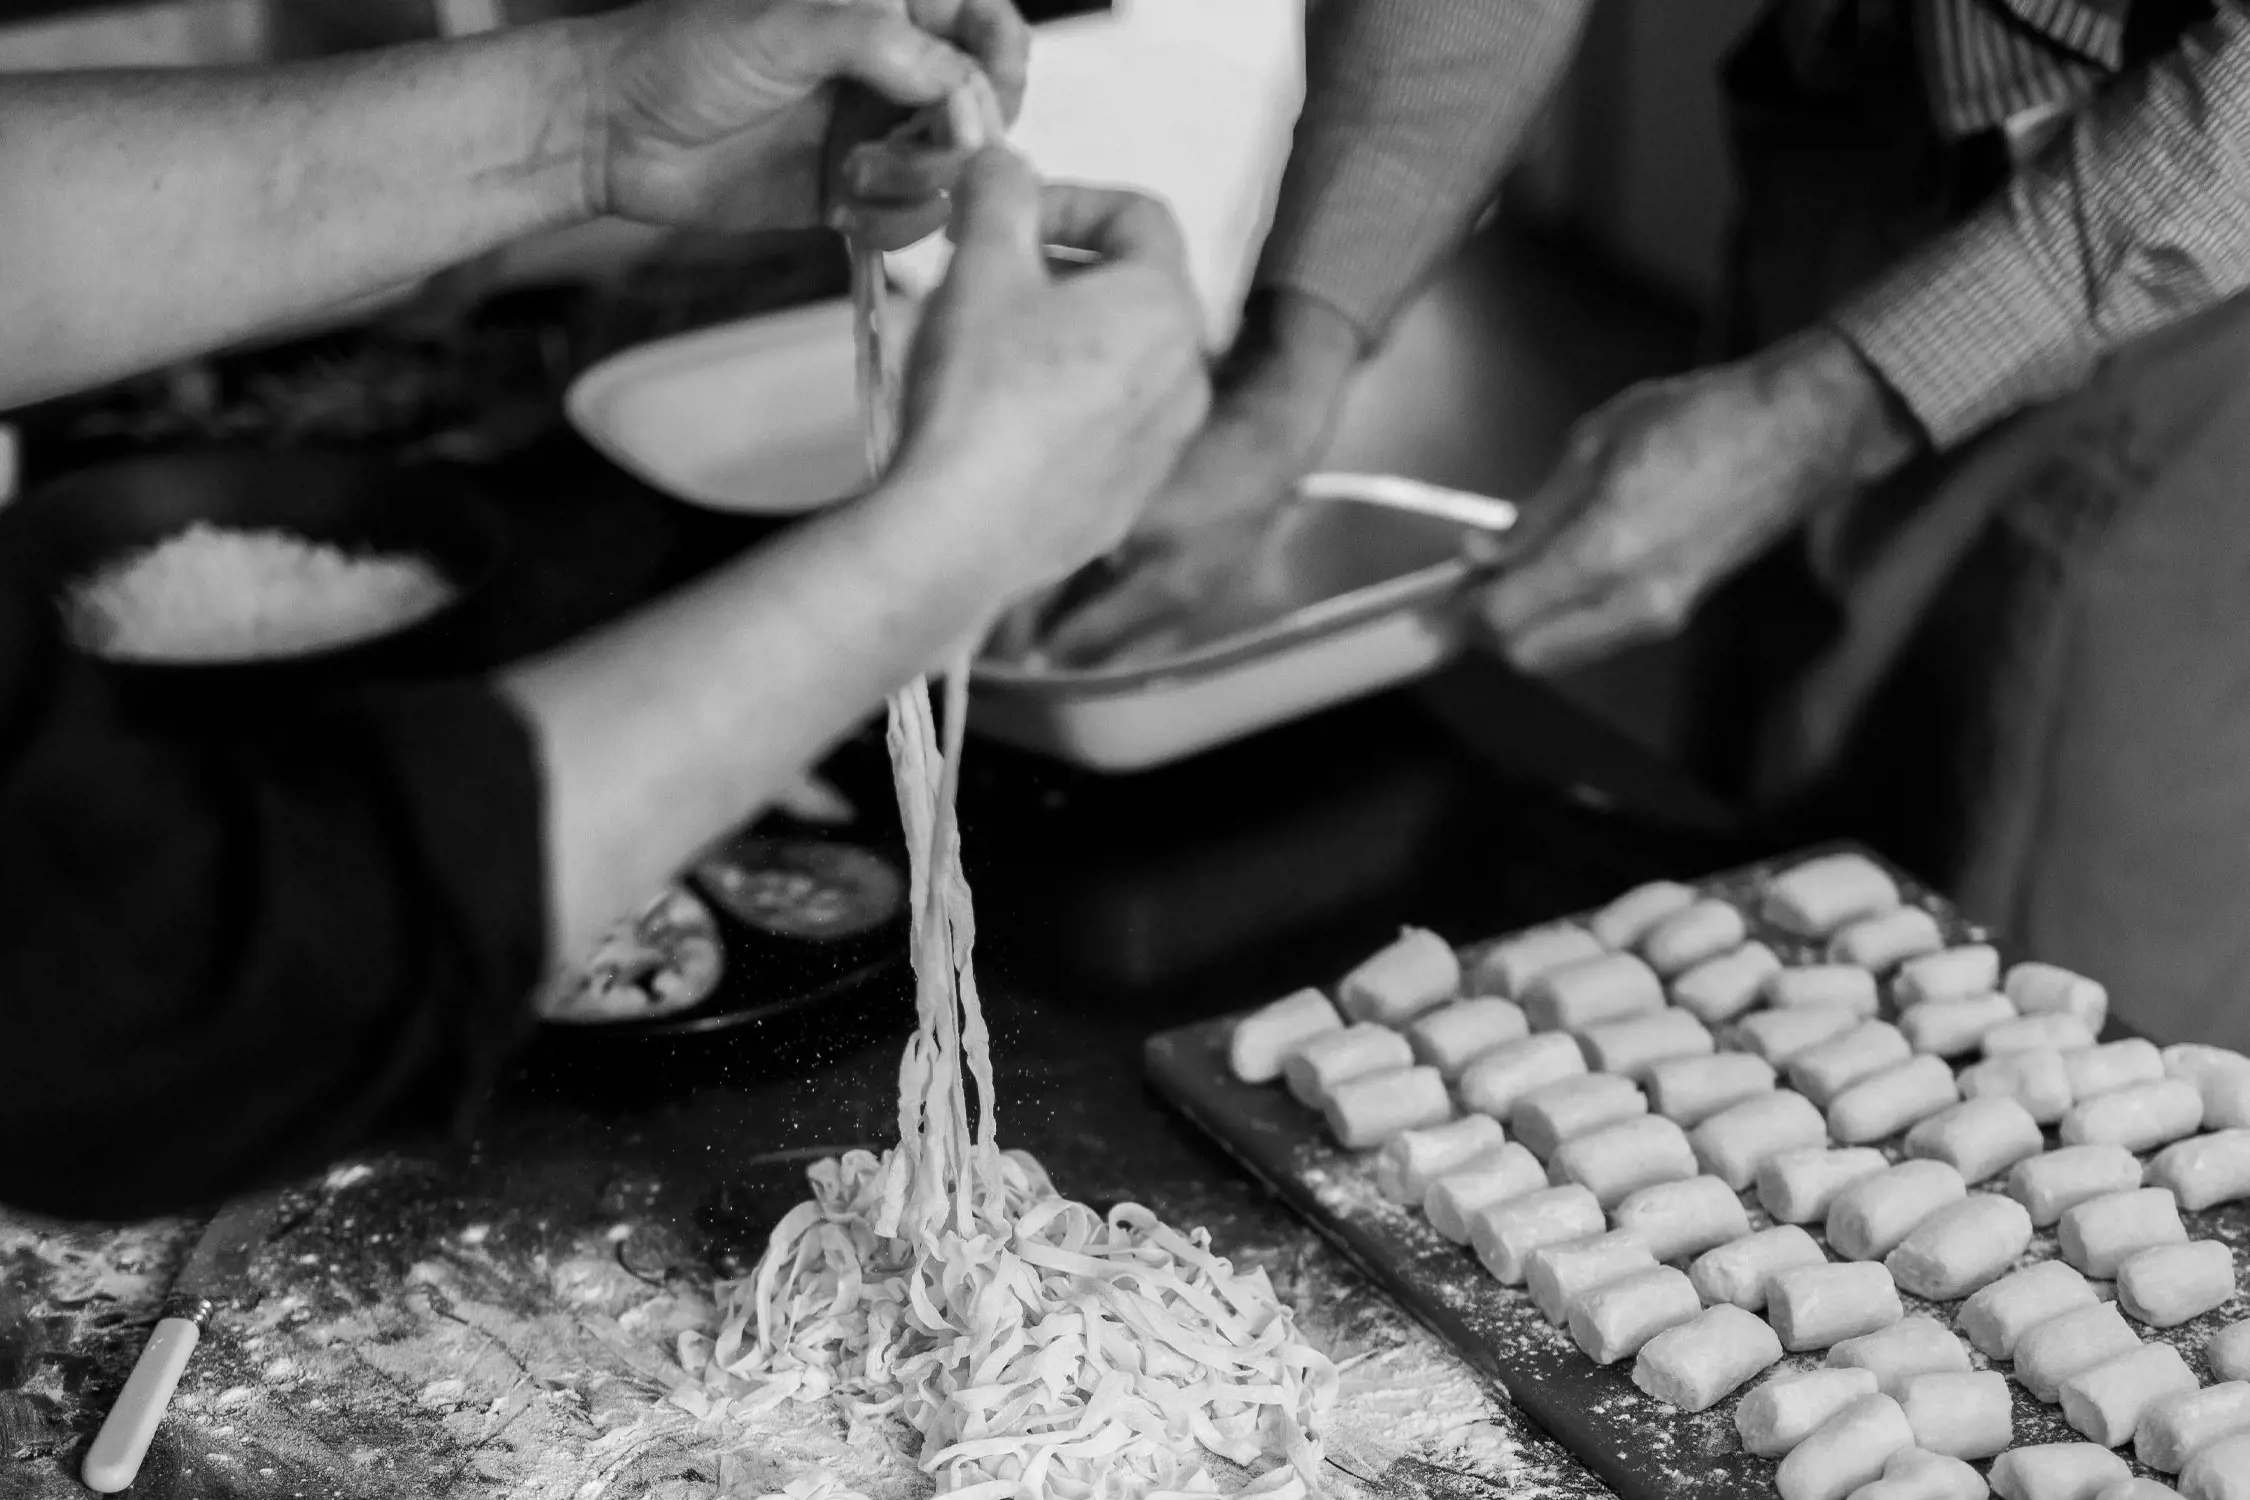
1349, 593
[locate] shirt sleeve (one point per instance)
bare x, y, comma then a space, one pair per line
1413, 109
2137, 216
234, 950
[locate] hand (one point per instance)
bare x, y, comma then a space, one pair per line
724, 113
1205, 534
1045, 410
1674, 485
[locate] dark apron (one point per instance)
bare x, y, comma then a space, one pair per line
2032, 680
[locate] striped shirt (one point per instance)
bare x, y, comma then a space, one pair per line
2135, 215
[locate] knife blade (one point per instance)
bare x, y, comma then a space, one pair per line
213, 1273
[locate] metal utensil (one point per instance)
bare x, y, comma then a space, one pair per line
213, 1272
1461, 507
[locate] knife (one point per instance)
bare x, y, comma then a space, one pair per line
214, 1269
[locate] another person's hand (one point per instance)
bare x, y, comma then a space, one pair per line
725, 114
1044, 409
1676, 484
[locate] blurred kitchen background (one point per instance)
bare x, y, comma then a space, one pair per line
1601, 268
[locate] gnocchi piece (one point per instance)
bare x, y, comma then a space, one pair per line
1892, 1101
1453, 1036
1613, 1322
1734, 1143
1554, 1112
2174, 1429
1737, 1273
2059, 1181
1416, 973
2043, 989
1680, 1219
1954, 1028
2220, 1075
1557, 1273
2035, 1078
1962, 1414
1335, 1057
2062, 1346
1496, 1176
1690, 1090
1911, 1346
2002, 1313
1699, 1363
2098, 1236
1631, 917
1618, 1160
1413, 1159
1816, 1307
1719, 989
1961, 1248
1686, 938
2055, 1031
1366, 1111
1269, 1036
1798, 1187
1817, 897
1613, 987
2139, 1117
1842, 985
1787, 1409
2056, 1471
2219, 1471
1779, 1036
1869, 1219
1979, 1138
1511, 966
2228, 1352
2205, 1170
2196, 1061
1912, 1474
1494, 1082
1507, 1232
1631, 1047
1949, 974
1884, 942
2170, 1284
2138, 1488
2105, 1402
2112, 1065
1826, 1069
1845, 1452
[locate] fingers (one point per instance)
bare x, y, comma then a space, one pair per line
1583, 632
885, 173
1114, 225
997, 216
879, 46
1140, 614
991, 31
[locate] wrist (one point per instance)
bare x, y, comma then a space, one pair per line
1289, 367
1875, 432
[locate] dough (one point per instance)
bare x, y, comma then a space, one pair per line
1453, 1036
1509, 967
1787, 1409
1495, 1176
1892, 1101
1337, 1056
2175, 1429
2170, 1284
1911, 1346
2055, 1031
1686, 938
1979, 1138
1494, 1082
1680, 1219
1266, 1038
1557, 1273
1631, 1047
2220, 1471
2140, 1117
1505, 1233
1612, 1322
1416, 973
1912, 1474
2105, 1402
1843, 985
2097, 1236
2204, 1171
1689, 1090
1883, 943
1813, 1307
1719, 989
1950, 974
1620, 1159
1955, 1028
1613, 987
1737, 1273
2056, 1471
2137, 1489
1413, 1159
1868, 1220
1779, 1036
1826, 1069
2035, 1078
2051, 1184
1817, 897
1961, 1248
1733, 1144
1696, 1364
2059, 1348
1845, 1452
1631, 917
2228, 1353
1554, 1112
2220, 1075
1799, 1187
2042, 989
1996, 1317
2112, 1065
1365, 1112
1959, 1413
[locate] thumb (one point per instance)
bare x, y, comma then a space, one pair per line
997, 215
876, 45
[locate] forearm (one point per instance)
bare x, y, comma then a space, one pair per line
1413, 110
2136, 217
666, 730
145, 216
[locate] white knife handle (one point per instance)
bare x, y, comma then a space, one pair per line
119, 1447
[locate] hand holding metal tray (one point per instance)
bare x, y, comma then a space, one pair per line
1358, 586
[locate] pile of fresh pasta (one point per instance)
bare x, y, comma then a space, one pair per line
1643, 1118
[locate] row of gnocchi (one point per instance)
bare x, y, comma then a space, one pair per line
1637, 1063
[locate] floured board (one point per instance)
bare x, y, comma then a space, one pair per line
1641, 1448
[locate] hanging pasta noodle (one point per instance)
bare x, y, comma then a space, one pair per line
1036, 1347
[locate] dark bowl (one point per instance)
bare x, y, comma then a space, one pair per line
350, 501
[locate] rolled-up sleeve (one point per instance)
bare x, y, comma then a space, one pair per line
2137, 216
1413, 110
232, 952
